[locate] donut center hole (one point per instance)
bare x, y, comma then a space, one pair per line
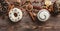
15, 14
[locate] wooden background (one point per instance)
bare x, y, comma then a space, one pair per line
26, 24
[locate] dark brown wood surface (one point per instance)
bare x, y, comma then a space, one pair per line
26, 24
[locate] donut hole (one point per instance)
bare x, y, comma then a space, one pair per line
15, 14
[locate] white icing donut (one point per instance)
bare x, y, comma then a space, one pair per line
17, 17
43, 15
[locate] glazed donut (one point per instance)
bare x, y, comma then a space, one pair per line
43, 15
48, 2
15, 15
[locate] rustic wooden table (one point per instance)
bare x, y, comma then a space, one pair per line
26, 24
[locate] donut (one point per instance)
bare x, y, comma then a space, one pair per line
43, 15
15, 14
48, 2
